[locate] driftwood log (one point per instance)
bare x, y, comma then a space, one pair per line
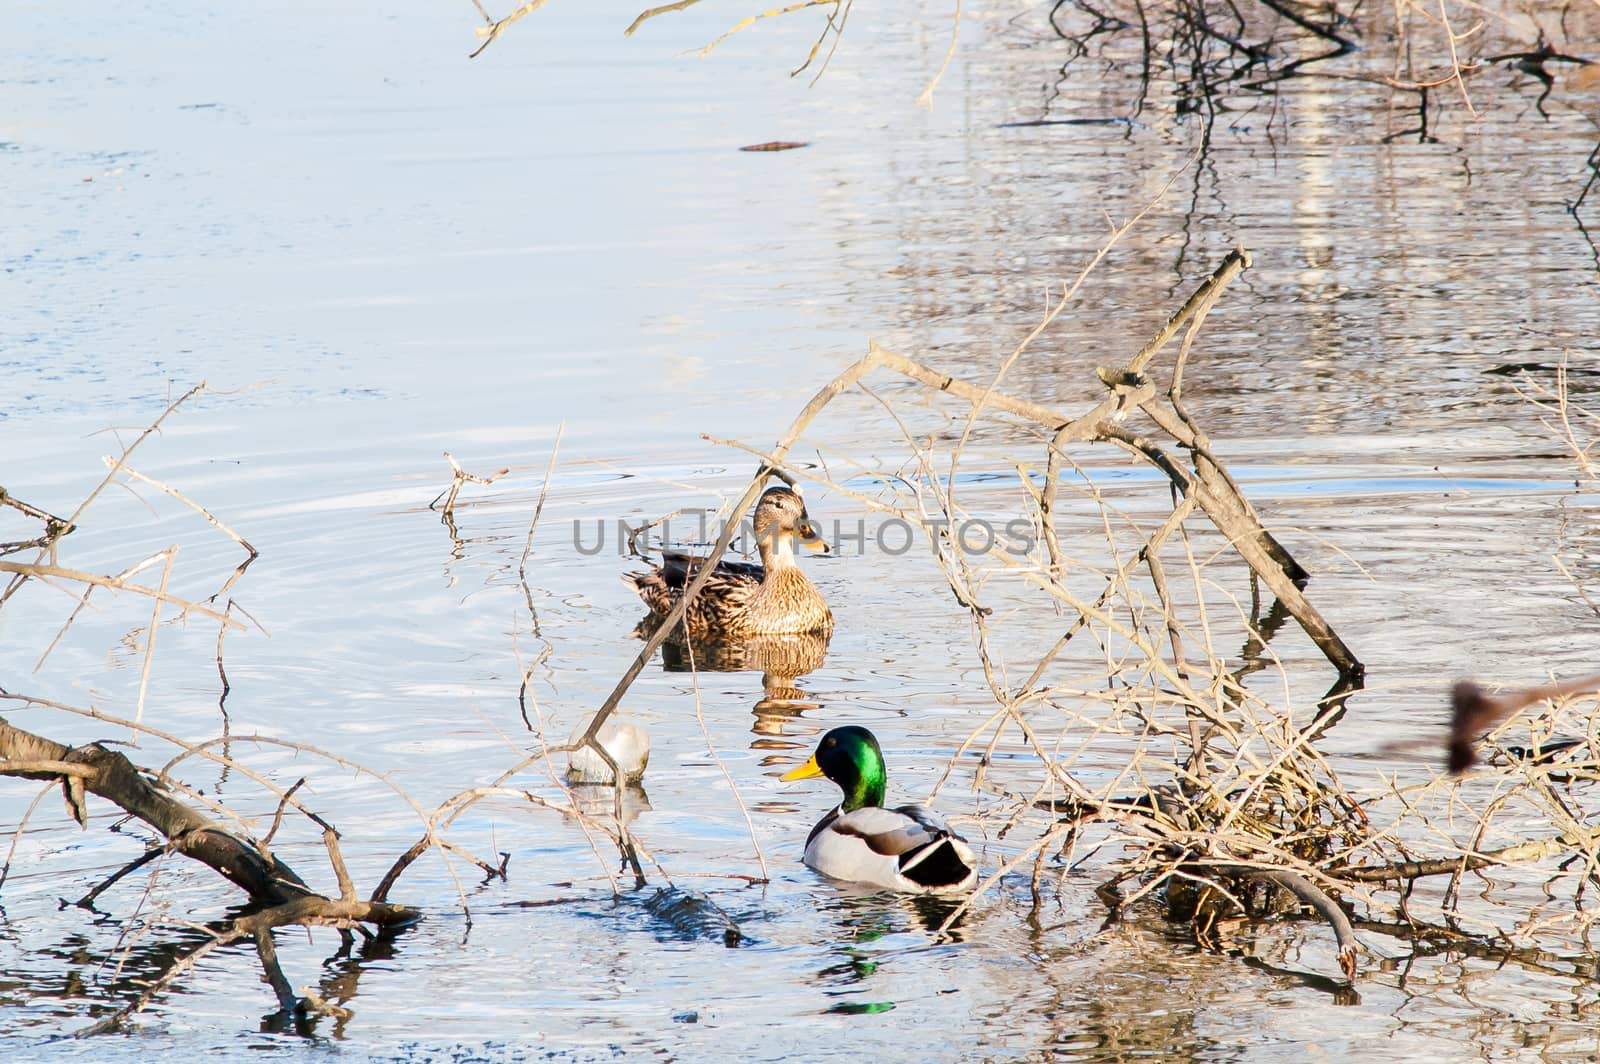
278, 896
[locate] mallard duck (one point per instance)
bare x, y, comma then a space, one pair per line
909, 849
742, 599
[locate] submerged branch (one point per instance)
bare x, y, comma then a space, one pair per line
1408, 871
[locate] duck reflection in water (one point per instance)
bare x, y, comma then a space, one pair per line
589, 778
869, 922
781, 660
598, 802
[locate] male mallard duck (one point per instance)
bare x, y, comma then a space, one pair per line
741, 599
910, 848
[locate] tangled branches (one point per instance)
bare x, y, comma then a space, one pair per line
187, 823
1153, 754
1130, 656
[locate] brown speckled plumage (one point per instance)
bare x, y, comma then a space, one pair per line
742, 599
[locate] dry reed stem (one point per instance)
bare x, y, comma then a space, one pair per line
150, 639
733, 786
459, 478
527, 590
651, 12
1558, 405
25, 570
533, 523
492, 31
1455, 60
116, 464
20, 574
925, 98
750, 20
834, 26
54, 527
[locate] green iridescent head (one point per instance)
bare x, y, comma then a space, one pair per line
850, 757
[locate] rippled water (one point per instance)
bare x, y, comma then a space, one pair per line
381, 251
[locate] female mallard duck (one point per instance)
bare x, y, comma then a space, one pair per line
741, 599
910, 848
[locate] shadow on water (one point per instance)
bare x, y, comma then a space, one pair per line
598, 801
1338, 991
79, 976
92, 984
1218, 46
1255, 656
337, 987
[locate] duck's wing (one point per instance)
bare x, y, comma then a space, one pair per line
889, 832
729, 586
925, 851
677, 569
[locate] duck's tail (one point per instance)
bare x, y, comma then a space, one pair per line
652, 589
945, 865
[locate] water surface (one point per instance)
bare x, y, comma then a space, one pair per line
381, 251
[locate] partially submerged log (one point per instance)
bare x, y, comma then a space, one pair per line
278, 896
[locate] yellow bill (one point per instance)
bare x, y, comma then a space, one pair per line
805, 771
